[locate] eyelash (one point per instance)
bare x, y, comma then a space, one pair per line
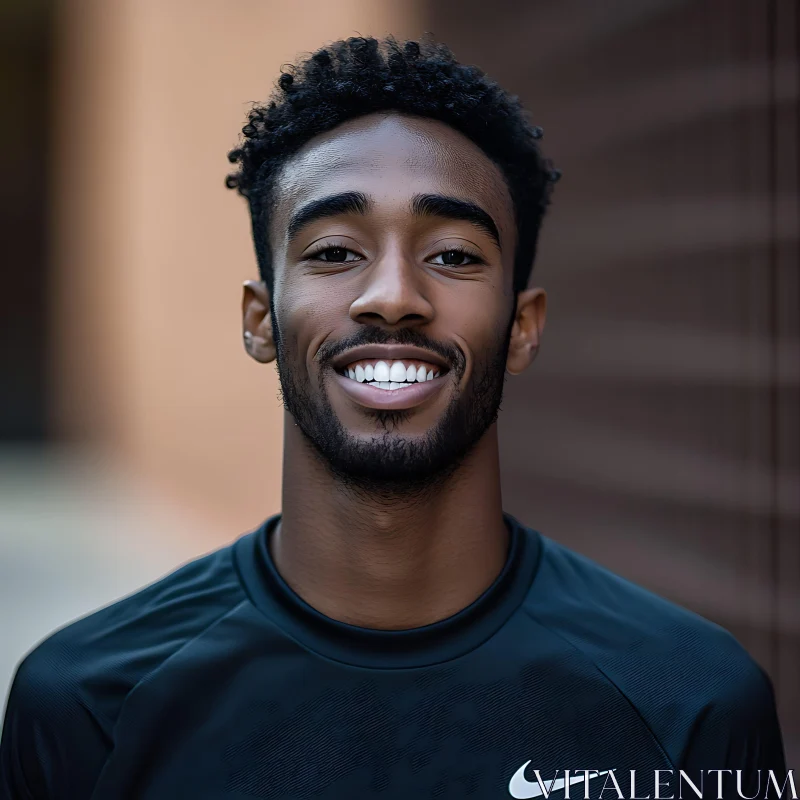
315, 255
461, 250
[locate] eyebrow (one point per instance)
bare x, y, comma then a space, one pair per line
424, 205
332, 206
436, 205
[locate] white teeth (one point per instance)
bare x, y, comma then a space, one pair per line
398, 372
381, 372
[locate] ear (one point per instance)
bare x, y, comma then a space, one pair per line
527, 329
257, 322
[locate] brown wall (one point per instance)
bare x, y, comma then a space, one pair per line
25, 54
152, 249
658, 431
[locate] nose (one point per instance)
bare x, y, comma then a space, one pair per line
392, 294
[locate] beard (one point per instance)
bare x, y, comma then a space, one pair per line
392, 464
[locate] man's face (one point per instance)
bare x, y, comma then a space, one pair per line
393, 243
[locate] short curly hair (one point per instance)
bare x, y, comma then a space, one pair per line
362, 75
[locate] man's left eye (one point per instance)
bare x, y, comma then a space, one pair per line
453, 258
336, 255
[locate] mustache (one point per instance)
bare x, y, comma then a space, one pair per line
411, 337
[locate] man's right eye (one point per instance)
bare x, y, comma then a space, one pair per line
337, 255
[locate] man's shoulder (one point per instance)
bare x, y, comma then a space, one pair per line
72, 685
670, 663
580, 593
123, 641
704, 700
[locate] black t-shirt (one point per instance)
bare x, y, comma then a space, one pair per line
218, 681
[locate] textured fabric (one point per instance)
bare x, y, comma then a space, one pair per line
219, 682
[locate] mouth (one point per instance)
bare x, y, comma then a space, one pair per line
373, 378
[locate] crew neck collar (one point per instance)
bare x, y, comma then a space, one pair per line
380, 649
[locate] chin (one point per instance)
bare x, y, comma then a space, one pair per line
391, 425
390, 462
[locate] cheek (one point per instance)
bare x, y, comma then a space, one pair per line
478, 315
308, 311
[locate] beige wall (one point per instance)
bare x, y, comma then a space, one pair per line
151, 249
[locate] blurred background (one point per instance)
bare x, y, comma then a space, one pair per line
658, 431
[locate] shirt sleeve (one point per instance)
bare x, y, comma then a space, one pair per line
739, 736
52, 745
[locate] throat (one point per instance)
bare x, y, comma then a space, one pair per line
391, 574
389, 561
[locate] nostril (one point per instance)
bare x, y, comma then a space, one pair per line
381, 321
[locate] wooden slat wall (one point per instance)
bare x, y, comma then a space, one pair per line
658, 431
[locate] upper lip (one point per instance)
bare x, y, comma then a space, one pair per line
388, 352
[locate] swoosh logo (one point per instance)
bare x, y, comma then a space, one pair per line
521, 788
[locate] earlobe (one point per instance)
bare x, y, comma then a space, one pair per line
258, 337
527, 330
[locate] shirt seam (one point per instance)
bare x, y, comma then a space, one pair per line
235, 557
608, 678
186, 643
283, 631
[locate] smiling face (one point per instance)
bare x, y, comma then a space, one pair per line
392, 244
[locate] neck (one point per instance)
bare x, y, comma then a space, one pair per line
389, 564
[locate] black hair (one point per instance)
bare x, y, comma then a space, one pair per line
361, 75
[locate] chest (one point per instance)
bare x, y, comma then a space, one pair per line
295, 729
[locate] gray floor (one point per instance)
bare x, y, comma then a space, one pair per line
75, 534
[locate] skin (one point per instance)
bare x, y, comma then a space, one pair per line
403, 558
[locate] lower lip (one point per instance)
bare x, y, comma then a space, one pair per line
375, 397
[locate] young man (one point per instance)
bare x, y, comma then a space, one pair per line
392, 633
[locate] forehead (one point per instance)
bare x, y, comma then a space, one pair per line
392, 158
